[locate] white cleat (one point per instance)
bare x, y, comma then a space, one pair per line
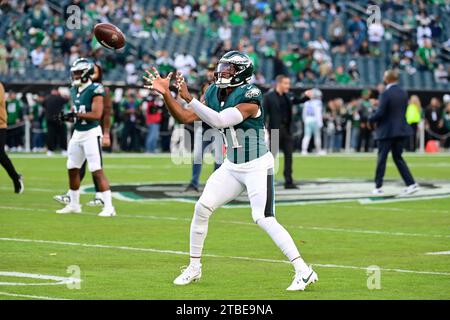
63, 199
377, 191
302, 280
411, 189
96, 202
188, 275
107, 212
69, 209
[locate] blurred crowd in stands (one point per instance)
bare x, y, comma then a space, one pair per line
37, 35
141, 123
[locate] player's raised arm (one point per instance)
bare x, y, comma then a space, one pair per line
224, 119
155, 82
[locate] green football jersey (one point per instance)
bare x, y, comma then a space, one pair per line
244, 141
82, 103
14, 110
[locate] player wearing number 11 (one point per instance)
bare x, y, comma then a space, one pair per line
233, 106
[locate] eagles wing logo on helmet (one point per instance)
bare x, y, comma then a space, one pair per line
237, 59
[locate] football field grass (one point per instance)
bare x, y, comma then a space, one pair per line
138, 253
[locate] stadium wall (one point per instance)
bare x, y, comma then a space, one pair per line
329, 92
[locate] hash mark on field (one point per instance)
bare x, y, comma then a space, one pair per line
175, 252
439, 253
29, 296
59, 280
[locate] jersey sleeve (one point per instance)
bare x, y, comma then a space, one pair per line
207, 95
251, 94
98, 90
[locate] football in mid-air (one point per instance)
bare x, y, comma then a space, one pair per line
109, 36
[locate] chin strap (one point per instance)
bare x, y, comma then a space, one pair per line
84, 85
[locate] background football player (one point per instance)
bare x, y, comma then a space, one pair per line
85, 143
105, 123
233, 105
200, 144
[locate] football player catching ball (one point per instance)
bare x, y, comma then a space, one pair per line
233, 106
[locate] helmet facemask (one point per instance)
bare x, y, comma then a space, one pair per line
224, 74
81, 73
233, 70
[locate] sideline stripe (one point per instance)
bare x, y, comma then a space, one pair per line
344, 230
29, 296
175, 252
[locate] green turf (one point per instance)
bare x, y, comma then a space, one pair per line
326, 233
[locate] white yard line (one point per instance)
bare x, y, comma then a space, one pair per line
403, 234
175, 252
376, 206
29, 189
439, 253
24, 209
29, 296
332, 229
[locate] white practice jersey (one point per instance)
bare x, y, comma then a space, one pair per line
312, 111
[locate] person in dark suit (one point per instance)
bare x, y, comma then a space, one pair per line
56, 131
278, 104
391, 132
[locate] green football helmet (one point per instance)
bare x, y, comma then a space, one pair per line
81, 71
233, 69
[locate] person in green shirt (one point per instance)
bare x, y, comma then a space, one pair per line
253, 56
15, 114
165, 62
203, 16
180, 25
409, 20
18, 58
341, 77
426, 56
366, 107
37, 118
37, 16
293, 61
236, 17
